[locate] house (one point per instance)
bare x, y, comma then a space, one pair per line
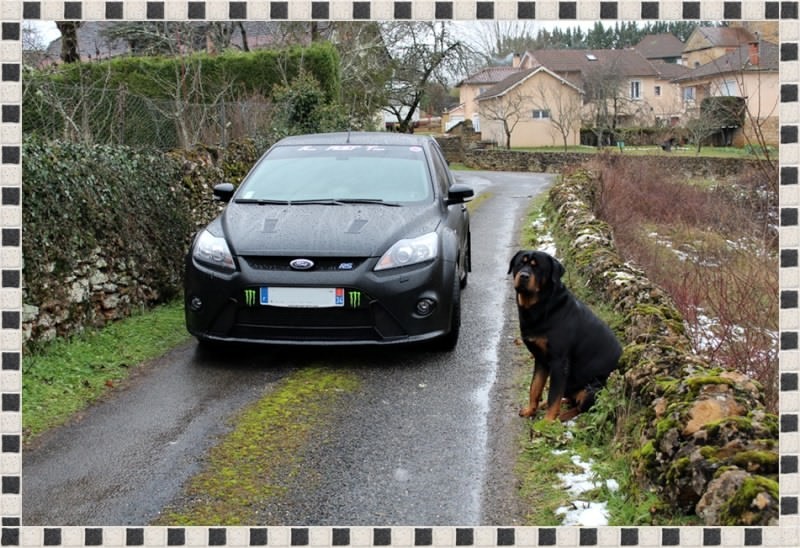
532, 108
665, 47
645, 87
632, 89
748, 71
470, 88
706, 44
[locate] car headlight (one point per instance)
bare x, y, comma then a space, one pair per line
411, 251
213, 251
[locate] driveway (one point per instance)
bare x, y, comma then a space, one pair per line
428, 439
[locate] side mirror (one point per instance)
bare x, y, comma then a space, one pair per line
459, 194
223, 192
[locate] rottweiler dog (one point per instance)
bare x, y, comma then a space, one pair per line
569, 343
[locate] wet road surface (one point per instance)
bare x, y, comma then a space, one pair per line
429, 439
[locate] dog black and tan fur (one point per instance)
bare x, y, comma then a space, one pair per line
569, 343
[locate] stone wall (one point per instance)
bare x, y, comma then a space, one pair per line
491, 159
708, 445
102, 287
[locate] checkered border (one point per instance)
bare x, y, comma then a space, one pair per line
12, 12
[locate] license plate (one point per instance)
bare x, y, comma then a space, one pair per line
302, 297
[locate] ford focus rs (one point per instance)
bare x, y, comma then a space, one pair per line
341, 238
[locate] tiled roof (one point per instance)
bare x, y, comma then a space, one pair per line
514, 79
660, 46
670, 71
727, 37
489, 75
629, 61
736, 61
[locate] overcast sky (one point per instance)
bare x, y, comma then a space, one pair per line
49, 32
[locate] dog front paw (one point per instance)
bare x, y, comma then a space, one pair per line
527, 411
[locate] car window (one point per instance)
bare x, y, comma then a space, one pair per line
340, 172
442, 172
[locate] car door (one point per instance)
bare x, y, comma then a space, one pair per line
457, 215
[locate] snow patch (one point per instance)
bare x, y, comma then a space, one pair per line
581, 512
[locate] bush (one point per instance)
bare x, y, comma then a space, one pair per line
713, 250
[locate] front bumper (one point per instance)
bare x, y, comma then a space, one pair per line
378, 308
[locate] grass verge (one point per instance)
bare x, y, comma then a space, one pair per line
64, 376
253, 463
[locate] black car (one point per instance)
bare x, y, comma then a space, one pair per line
339, 238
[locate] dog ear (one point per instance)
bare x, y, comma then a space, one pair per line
557, 270
514, 260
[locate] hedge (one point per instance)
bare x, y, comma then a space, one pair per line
106, 88
111, 215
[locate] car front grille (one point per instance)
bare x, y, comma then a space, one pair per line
326, 264
366, 323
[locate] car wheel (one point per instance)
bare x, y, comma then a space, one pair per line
467, 263
448, 341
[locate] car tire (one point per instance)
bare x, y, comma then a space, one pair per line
448, 341
467, 263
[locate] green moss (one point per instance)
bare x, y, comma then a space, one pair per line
665, 425
741, 424
709, 452
696, 383
667, 385
677, 469
740, 510
648, 451
666, 315
763, 459
253, 463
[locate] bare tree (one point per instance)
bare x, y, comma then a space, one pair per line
419, 52
701, 124
565, 108
365, 69
507, 109
75, 109
605, 93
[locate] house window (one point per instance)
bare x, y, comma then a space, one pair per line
729, 88
688, 94
541, 114
657, 91
636, 89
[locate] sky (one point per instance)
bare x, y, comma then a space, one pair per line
49, 32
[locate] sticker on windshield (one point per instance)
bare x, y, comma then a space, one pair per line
348, 148
415, 149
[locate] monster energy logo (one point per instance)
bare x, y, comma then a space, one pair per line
250, 297
355, 299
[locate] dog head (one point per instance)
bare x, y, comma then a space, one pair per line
535, 273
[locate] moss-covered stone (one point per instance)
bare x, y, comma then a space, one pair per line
754, 503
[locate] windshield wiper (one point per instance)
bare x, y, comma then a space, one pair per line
367, 201
261, 202
320, 201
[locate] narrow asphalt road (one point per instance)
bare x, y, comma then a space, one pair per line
429, 439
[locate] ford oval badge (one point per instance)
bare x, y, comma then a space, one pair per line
301, 264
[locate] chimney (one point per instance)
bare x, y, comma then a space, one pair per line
754, 56
516, 60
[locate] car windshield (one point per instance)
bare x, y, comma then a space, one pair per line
340, 173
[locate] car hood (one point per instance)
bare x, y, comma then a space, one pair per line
323, 230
